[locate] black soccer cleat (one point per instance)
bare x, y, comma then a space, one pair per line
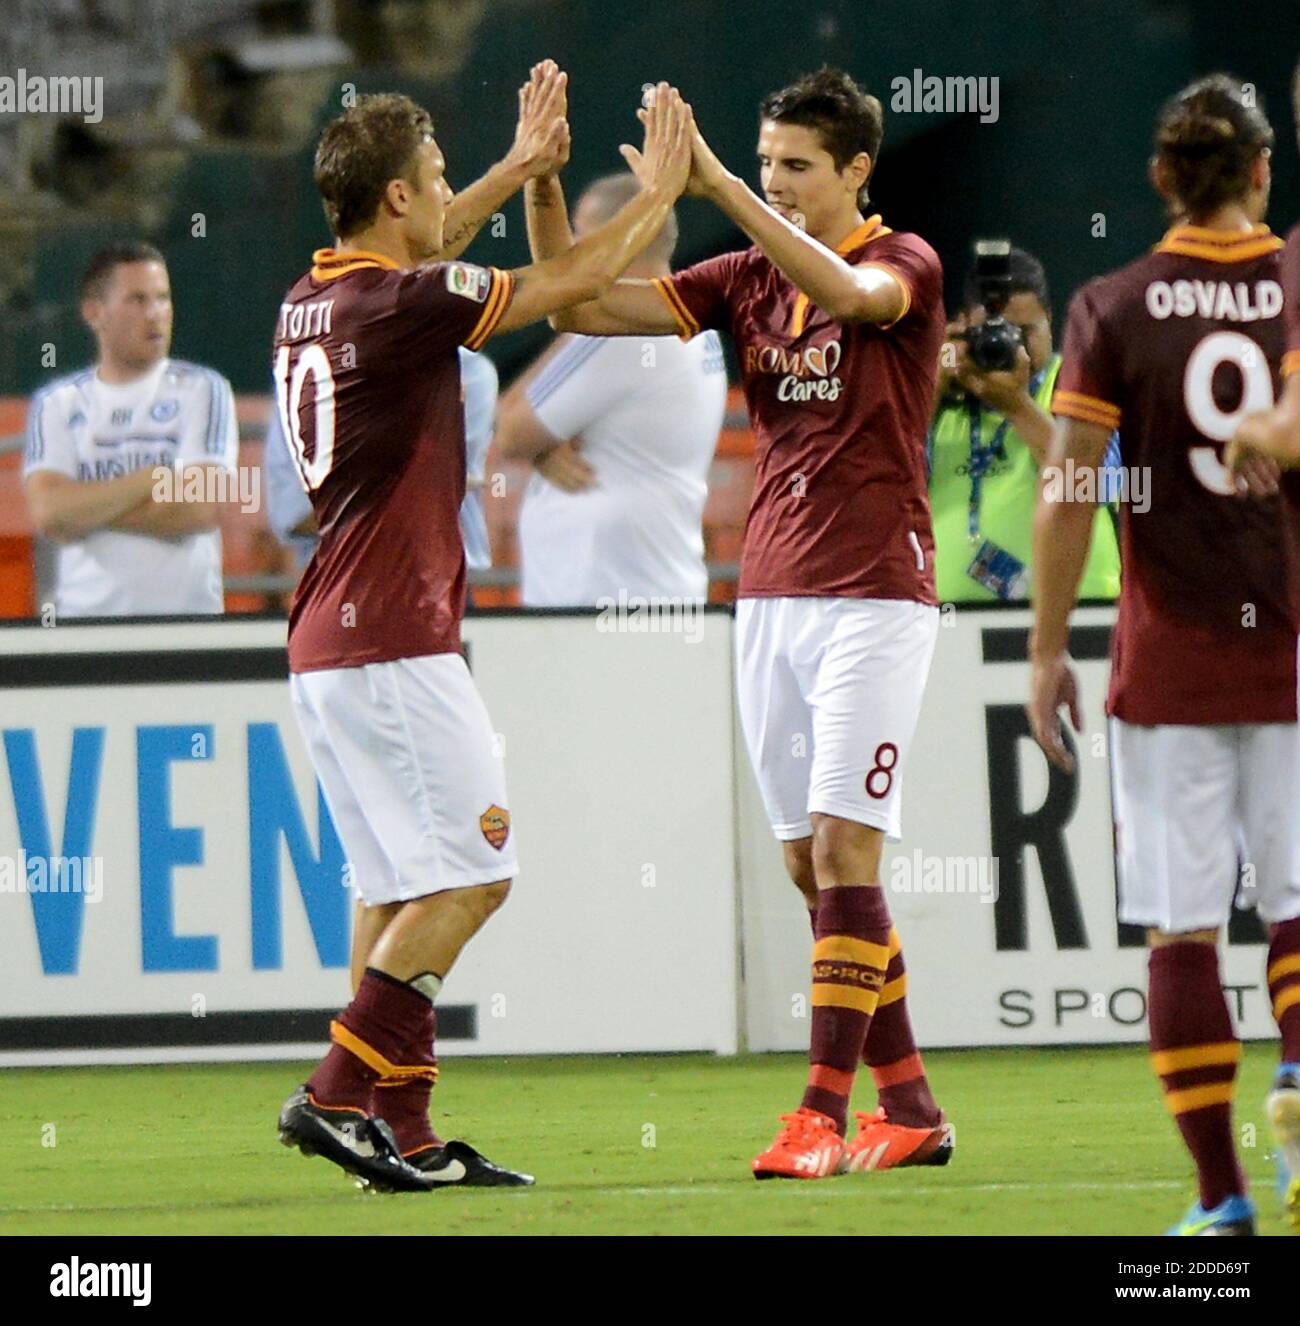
457, 1164
363, 1146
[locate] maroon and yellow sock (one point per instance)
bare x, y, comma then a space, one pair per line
1195, 1053
891, 1053
376, 1036
850, 954
1284, 985
403, 1102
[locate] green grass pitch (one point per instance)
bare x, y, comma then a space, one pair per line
1048, 1142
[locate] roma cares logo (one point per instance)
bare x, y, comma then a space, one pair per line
495, 823
819, 361
808, 374
823, 359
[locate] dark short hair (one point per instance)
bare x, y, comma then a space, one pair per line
1209, 136
1027, 277
846, 119
104, 262
372, 143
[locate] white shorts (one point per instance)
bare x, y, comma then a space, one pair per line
1191, 805
407, 760
829, 692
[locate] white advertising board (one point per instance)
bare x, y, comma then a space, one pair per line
652, 913
213, 916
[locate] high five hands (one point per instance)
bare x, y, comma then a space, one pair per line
706, 172
541, 146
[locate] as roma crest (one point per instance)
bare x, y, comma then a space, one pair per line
495, 824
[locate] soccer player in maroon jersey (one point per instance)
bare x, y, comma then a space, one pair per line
368, 389
838, 321
1275, 433
1174, 350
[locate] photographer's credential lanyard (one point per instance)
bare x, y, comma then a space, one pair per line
981, 457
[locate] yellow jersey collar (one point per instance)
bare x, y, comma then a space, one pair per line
870, 229
330, 263
1219, 245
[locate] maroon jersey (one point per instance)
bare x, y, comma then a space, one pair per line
1173, 350
367, 382
839, 412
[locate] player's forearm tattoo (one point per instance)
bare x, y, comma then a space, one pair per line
466, 230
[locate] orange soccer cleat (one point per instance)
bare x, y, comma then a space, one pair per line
808, 1147
884, 1145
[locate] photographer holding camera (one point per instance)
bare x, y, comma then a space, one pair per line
990, 432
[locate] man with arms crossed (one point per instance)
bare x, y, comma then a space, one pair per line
95, 441
837, 322
368, 388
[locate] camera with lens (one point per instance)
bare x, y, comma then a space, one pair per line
993, 345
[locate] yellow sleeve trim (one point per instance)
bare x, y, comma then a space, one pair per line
498, 300
687, 327
907, 292
1088, 409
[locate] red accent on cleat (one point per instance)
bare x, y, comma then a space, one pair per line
884, 1145
808, 1147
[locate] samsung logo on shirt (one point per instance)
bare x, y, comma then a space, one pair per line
114, 468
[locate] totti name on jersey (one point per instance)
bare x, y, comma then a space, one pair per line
305, 321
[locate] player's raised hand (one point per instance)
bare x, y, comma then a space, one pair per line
707, 172
666, 153
635, 162
541, 145
1052, 686
706, 169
